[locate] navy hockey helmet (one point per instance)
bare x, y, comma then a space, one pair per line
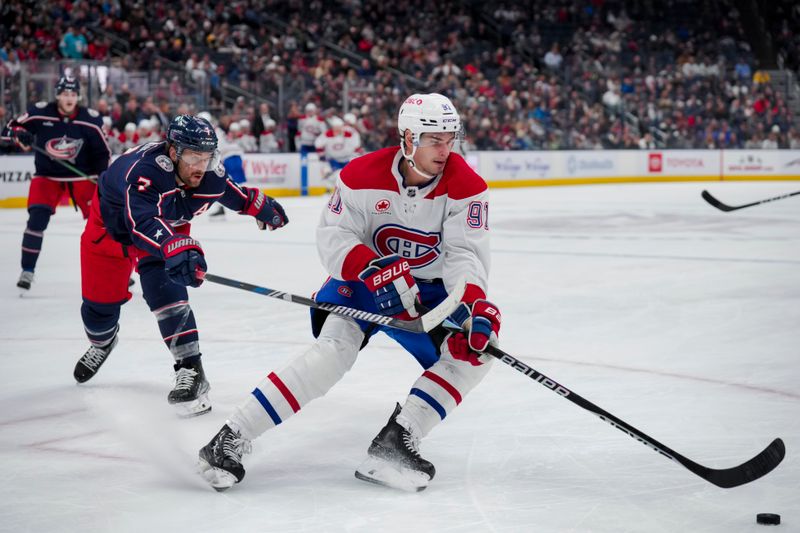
68, 83
193, 133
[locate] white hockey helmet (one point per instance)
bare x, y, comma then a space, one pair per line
428, 113
335, 122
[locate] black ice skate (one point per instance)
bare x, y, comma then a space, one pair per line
220, 461
88, 365
189, 393
394, 461
24, 282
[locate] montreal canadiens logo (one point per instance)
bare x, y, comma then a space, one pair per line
64, 148
417, 247
345, 291
382, 205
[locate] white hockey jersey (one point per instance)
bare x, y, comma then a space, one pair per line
441, 228
341, 148
308, 129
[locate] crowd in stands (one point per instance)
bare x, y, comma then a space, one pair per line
557, 74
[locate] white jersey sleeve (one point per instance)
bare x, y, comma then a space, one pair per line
342, 228
465, 241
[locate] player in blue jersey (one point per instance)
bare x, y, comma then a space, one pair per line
73, 153
140, 219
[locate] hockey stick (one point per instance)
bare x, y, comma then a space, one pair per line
422, 324
64, 163
723, 207
758, 466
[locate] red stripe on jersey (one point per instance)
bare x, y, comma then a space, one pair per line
372, 171
356, 261
458, 181
443, 384
290, 399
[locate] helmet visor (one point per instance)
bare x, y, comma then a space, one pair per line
203, 160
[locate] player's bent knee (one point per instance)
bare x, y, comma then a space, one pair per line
463, 375
318, 369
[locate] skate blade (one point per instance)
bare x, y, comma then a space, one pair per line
219, 479
386, 474
197, 407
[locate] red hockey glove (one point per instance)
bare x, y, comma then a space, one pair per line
485, 325
481, 322
456, 346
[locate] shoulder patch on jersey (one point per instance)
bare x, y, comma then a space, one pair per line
220, 170
41, 105
93, 112
165, 163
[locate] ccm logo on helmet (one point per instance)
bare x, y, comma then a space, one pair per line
417, 247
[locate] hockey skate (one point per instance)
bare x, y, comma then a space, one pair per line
88, 365
220, 461
189, 393
24, 282
394, 461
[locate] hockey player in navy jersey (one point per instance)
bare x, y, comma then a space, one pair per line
140, 219
403, 225
71, 136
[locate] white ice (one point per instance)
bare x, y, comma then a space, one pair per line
681, 320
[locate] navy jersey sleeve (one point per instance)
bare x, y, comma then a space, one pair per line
98, 155
148, 187
23, 120
234, 197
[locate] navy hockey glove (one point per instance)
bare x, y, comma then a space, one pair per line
481, 322
392, 285
19, 135
183, 260
265, 209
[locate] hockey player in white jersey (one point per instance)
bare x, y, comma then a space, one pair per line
403, 225
309, 127
336, 147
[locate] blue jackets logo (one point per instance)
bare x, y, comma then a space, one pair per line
64, 148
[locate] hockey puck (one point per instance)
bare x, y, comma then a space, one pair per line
768, 519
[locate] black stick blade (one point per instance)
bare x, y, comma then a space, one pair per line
759, 466
716, 203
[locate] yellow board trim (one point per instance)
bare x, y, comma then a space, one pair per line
13, 203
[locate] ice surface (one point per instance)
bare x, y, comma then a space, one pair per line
682, 320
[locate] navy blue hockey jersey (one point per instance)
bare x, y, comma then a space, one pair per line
142, 202
77, 139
